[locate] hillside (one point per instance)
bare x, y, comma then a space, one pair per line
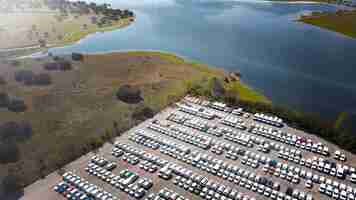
76, 108
54, 23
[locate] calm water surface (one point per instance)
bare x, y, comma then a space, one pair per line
293, 64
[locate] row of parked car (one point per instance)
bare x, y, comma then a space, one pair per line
234, 122
196, 110
189, 159
338, 155
337, 191
189, 121
198, 124
319, 164
290, 139
148, 166
212, 167
215, 190
239, 138
217, 131
202, 186
165, 194
284, 170
141, 154
267, 119
75, 187
178, 118
70, 192
103, 162
328, 167
182, 134
126, 181
209, 193
152, 141
229, 172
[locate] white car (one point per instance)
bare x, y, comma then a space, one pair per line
322, 188
309, 184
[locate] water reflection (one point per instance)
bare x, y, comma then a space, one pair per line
292, 63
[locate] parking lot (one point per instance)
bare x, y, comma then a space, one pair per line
205, 150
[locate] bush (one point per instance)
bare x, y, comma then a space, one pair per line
29, 78
77, 57
9, 152
17, 105
50, 66
2, 81
4, 100
15, 131
42, 79
64, 65
59, 65
217, 88
143, 113
129, 94
11, 184
25, 76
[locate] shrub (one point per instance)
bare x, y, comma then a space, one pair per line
9, 152
2, 81
59, 65
217, 88
143, 113
50, 66
77, 57
25, 76
11, 184
129, 94
4, 99
42, 79
15, 131
64, 65
17, 105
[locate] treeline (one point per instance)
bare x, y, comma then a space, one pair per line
309, 122
82, 7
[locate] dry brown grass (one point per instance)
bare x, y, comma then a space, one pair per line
80, 104
15, 28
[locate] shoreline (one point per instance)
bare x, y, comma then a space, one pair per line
340, 22
296, 2
38, 49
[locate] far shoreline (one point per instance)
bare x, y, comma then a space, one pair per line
36, 48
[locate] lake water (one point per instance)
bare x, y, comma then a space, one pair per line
292, 63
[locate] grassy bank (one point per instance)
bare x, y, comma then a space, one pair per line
79, 110
45, 24
343, 22
74, 35
301, 1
